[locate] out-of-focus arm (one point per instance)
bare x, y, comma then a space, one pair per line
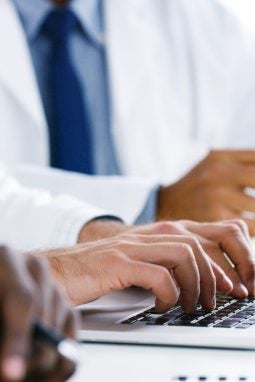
33, 218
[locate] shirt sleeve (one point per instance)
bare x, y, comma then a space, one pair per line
32, 218
124, 196
148, 214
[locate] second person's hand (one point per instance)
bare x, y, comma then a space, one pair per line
213, 190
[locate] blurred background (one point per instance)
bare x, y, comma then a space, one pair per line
245, 9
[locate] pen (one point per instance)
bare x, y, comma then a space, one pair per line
66, 347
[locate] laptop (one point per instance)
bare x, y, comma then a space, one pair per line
129, 317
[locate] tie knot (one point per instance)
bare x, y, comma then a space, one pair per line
59, 24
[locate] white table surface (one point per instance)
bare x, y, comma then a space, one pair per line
122, 363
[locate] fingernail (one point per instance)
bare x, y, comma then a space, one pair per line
14, 368
242, 290
226, 286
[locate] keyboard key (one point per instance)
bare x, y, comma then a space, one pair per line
209, 320
163, 319
158, 321
242, 315
146, 319
221, 314
242, 326
181, 323
247, 322
229, 312
228, 323
156, 315
151, 310
249, 311
130, 321
235, 306
174, 315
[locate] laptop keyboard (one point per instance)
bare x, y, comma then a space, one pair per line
229, 313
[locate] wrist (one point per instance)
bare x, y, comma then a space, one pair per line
100, 229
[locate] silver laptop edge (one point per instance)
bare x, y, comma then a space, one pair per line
101, 322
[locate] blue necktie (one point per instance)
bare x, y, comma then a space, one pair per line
70, 141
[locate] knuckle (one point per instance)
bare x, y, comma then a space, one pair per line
240, 223
124, 237
211, 247
117, 257
193, 242
165, 227
123, 242
116, 242
233, 229
186, 252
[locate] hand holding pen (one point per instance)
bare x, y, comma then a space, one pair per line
37, 326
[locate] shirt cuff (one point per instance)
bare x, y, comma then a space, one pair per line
69, 221
148, 214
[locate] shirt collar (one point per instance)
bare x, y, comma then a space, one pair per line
89, 12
